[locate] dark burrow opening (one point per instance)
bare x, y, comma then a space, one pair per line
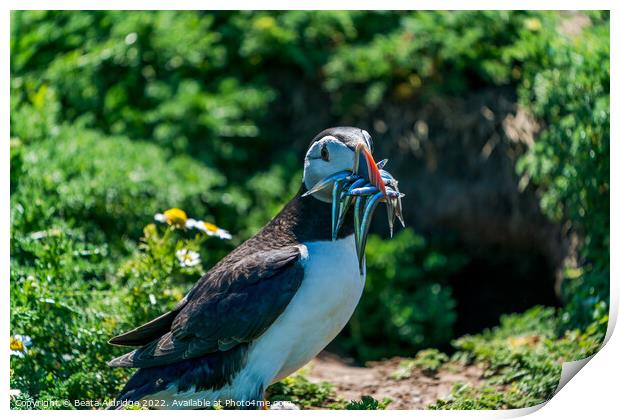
500, 281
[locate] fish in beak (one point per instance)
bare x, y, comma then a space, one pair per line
363, 187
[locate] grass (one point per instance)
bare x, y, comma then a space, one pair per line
305, 394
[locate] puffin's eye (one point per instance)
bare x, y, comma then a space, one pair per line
324, 153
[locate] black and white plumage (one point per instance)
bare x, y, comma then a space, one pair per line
264, 310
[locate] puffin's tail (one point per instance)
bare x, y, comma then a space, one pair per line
212, 371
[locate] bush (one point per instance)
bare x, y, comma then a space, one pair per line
93, 182
569, 90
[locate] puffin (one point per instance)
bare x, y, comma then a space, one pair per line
263, 311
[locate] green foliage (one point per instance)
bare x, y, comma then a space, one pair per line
298, 390
159, 75
569, 90
60, 299
368, 403
93, 182
429, 361
406, 297
467, 397
427, 52
523, 358
154, 275
305, 394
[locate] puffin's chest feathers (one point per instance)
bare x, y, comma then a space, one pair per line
332, 283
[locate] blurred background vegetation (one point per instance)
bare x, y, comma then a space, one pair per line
496, 123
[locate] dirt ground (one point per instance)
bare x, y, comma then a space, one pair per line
416, 392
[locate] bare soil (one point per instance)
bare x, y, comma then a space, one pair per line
415, 392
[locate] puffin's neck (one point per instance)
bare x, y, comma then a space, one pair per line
306, 219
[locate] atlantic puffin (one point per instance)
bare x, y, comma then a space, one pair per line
267, 308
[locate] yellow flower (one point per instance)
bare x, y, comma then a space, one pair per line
176, 216
210, 227
173, 216
17, 344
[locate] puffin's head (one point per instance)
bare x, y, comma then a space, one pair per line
337, 149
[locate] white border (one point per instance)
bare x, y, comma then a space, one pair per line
592, 393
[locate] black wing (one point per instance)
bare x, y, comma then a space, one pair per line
233, 303
150, 331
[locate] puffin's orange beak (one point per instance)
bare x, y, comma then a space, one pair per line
372, 171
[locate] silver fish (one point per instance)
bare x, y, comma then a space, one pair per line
369, 208
337, 205
324, 183
394, 209
367, 189
346, 201
357, 224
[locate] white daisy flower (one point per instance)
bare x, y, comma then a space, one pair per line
188, 258
210, 229
192, 224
